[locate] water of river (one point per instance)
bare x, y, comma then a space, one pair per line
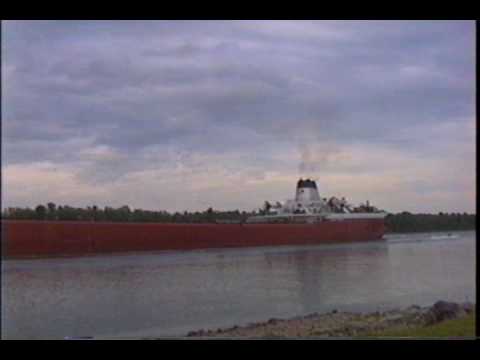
169, 294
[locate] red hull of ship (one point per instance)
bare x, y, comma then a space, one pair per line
50, 238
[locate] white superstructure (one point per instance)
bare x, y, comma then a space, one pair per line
309, 205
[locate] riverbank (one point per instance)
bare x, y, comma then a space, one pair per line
396, 322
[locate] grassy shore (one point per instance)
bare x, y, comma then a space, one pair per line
462, 327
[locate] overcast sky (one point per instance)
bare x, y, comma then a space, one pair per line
184, 115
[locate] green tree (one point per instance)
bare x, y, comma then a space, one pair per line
41, 212
52, 209
210, 215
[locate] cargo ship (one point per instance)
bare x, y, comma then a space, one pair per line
307, 219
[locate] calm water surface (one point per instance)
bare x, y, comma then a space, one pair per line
169, 294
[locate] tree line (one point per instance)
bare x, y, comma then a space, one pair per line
407, 222
53, 212
400, 222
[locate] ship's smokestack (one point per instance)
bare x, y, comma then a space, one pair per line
306, 191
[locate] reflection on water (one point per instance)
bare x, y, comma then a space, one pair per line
173, 293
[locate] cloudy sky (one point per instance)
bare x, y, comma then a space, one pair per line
183, 115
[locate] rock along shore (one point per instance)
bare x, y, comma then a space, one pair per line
341, 324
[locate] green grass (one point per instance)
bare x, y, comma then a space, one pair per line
462, 327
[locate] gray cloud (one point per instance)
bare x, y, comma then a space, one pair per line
249, 90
